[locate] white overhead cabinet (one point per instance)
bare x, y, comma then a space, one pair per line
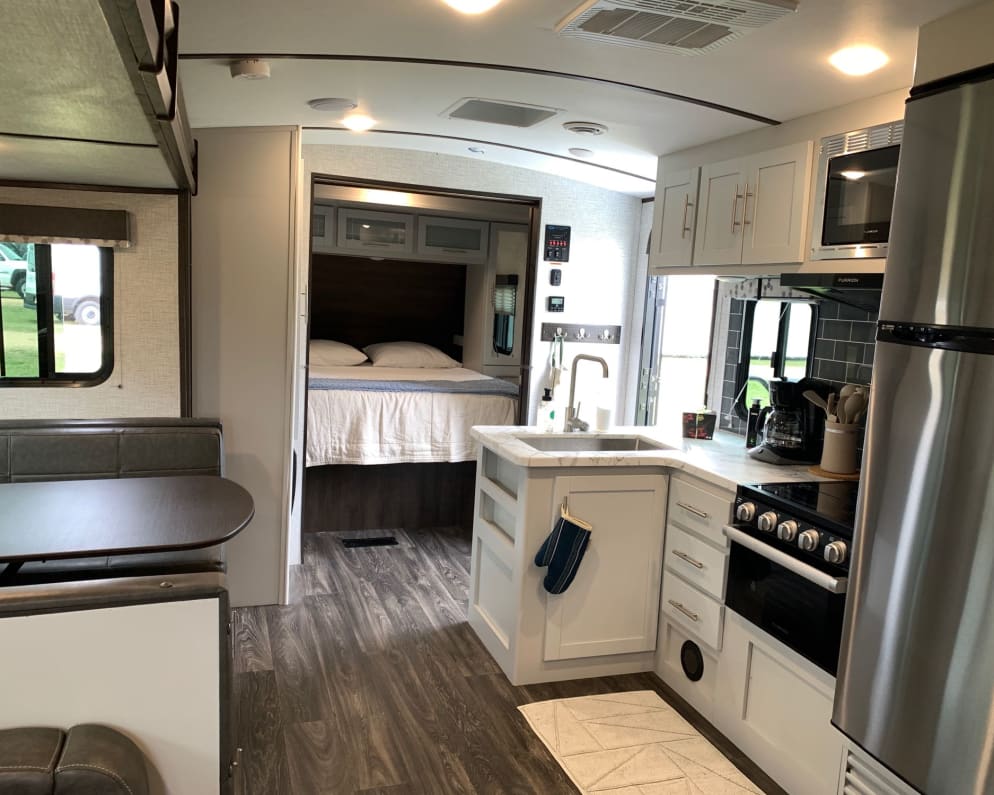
675, 217
749, 210
754, 209
371, 230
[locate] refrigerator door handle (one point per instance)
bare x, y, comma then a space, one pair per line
809, 573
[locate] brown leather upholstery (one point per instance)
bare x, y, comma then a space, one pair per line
27, 760
97, 760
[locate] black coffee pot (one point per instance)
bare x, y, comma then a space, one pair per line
792, 428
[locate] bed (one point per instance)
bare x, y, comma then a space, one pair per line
392, 415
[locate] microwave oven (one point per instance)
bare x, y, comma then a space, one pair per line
857, 174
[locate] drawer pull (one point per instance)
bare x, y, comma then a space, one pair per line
691, 615
693, 510
685, 557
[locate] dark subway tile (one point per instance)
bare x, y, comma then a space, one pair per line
831, 371
864, 332
825, 349
852, 313
851, 352
837, 330
829, 310
863, 374
868, 351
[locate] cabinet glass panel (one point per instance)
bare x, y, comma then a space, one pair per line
453, 239
442, 236
359, 229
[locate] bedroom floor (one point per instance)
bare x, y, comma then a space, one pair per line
373, 682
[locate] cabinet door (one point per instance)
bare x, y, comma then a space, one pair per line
776, 205
453, 239
612, 606
675, 216
323, 229
718, 240
375, 231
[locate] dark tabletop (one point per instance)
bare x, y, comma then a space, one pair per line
83, 518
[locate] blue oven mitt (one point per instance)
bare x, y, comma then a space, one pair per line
562, 552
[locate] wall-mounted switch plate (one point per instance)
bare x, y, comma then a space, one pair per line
555, 277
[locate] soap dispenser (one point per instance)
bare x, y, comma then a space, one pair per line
547, 412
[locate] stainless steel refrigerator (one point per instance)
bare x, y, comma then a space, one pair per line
916, 677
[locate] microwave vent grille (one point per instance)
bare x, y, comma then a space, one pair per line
686, 27
860, 140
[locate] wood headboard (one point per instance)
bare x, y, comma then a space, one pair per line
361, 301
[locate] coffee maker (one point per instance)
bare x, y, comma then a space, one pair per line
791, 427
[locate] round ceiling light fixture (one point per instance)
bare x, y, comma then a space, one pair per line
358, 122
858, 60
579, 151
471, 6
333, 104
585, 127
249, 69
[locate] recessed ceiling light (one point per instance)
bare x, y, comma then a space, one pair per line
860, 59
471, 6
578, 151
249, 69
853, 175
358, 122
333, 104
477, 150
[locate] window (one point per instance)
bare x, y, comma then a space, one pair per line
777, 341
56, 324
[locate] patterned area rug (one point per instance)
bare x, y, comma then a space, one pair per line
632, 744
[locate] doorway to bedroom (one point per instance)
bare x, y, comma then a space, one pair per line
417, 326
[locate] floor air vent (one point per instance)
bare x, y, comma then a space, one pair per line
377, 541
686, 27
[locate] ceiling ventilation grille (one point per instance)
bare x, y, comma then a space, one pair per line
493, 111
686, 27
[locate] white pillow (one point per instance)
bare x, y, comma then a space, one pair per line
328, 353
408, 354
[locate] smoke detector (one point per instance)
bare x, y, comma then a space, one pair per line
687, 27
250, 69
585, 127
333, 104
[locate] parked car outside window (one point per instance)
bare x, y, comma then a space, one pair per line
13, 269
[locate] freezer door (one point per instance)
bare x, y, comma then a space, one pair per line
942, 238
916, 674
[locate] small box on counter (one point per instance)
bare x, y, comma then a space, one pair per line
699, 424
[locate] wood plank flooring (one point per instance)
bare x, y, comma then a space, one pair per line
373, 682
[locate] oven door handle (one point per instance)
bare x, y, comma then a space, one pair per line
809, 573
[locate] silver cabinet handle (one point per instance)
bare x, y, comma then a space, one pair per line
735, 208
691, 615
685, 557
457, 250
687, 204
745, 206
693, 510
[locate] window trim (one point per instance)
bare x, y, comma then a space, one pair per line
745, 347
45, 322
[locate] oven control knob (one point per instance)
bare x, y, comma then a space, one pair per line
808, 540
745, 512
767, 522
787, 531
836, 552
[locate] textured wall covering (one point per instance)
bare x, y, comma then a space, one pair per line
598, 281
145, 380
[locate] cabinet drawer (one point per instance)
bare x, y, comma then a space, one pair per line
699, 510
693, 610
696, 561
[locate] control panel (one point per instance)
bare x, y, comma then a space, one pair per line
782, 530
557, 243
556, 303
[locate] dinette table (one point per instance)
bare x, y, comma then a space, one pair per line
63, 519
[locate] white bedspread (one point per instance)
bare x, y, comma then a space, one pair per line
353, 427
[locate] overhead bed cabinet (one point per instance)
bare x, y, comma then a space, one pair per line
374, 231
452, 239
753, 210
675, 218
323, 231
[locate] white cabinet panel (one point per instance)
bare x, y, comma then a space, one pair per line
776, 205
695, 611
704, 512
700, 694
612, 606
323, 232
695, 561
719, 222
675, 218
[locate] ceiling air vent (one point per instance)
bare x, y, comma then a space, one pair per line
492, 111
686, 27
585, 127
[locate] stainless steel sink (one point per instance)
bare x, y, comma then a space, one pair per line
574, 443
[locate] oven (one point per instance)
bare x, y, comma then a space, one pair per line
788, 568
857, 175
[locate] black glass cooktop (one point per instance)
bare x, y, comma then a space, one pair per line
834, 501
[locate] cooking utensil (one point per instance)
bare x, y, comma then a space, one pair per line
842, 409
855, 406
818, 400
832, 404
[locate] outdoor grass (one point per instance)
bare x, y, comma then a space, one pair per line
20, 337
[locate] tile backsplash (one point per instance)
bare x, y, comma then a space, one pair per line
844, 345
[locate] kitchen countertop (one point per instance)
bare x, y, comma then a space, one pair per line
721, 461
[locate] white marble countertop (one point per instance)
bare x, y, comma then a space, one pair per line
721, 461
